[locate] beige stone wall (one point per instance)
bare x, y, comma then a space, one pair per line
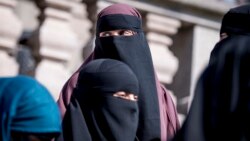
58, 42
180, 40
10, 31
204, 41
160, 28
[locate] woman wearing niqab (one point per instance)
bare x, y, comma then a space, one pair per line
220, 108
236, 21
94, 112
157, 116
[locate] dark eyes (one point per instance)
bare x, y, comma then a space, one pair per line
117, 33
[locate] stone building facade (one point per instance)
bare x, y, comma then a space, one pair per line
49, 39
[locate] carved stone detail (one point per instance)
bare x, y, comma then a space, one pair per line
159, 30
10, 30
57, 42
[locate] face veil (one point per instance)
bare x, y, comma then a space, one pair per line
135, 52
94, 113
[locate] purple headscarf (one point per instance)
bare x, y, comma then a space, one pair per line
119, 9
168, 114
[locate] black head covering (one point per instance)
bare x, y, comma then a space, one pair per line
135, 52
103, 117
221, 106
237, 21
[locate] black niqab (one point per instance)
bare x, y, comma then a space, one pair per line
95, 114
236, 21
135, 52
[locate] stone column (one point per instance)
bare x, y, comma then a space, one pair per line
57, 43
159, 31
204, 41
81, 25
10, 30
92, 9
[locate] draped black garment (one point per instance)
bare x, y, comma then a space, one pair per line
221, 106
94, 114
135, 52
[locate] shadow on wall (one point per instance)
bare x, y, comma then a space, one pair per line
182, 79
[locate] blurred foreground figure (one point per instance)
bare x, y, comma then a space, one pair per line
103, 105
27, 111
236, 22
221, 106
119, 36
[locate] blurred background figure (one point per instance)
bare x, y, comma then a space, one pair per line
27, 111
25, 56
